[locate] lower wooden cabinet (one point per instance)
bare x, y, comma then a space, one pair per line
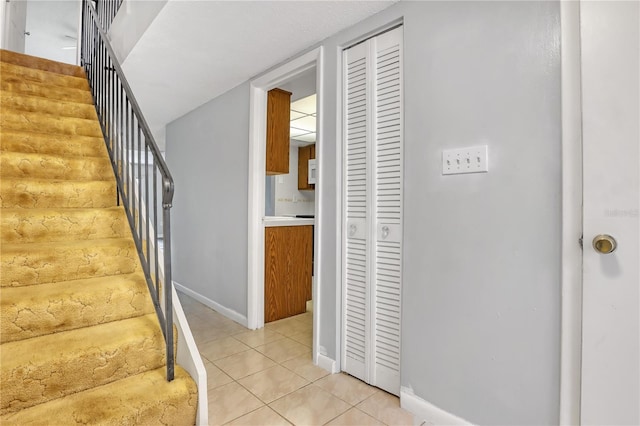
287, 271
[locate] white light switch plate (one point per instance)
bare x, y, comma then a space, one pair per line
474, 159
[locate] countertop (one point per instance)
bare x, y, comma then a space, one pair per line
270, 221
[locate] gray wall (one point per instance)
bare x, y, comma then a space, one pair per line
207, 154
481, 274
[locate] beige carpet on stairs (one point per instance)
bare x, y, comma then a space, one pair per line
79, 339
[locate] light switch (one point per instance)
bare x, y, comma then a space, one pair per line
474, 159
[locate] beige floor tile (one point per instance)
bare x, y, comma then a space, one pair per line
259, 337
262, 416
309, 406
205, 335
215, 376
221, 348
386, 408
303, 366
304, 337
232, 327
287, 326
346, 387
355, 417
244, 363
273, 383
229, 402
283, 350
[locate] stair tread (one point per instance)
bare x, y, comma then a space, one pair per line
54, 166
29, 312
32, 88
63, 245
50, 124
85, 357
133, 400
25, 102
19, 225
43, 76
30, 193
40, 63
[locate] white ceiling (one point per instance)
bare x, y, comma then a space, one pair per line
197, 50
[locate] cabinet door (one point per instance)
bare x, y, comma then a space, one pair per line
287, 274
305, 153
278, 119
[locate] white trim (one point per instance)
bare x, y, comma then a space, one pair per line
327, 363
257, 164
189, 358
571, 322
426, 412
229, 313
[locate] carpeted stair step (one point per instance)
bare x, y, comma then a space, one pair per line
44, 193
146, 398
53, 366
47, 123
41, 263
73, 145
31, 88
33, 311
49, 225
40, 63
8, 70
19, 102
48, 166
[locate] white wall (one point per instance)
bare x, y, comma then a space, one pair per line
207, 153
481, 271
14, 21
132, 20
288, 199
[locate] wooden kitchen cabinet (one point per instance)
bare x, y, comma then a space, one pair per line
305, 153
278, 122
287, 271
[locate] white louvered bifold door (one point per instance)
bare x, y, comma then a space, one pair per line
372, 261
356, 262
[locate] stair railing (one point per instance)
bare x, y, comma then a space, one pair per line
140, 170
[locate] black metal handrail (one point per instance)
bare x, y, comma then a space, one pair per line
130, 142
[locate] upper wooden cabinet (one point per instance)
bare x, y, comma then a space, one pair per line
278, 118
305, 153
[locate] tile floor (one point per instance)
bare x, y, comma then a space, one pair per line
266, 377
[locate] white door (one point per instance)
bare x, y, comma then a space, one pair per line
372, 261
14, 25
611, 316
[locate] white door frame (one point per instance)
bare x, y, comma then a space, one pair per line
257, 165
571, 305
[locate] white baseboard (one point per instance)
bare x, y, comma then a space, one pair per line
425, 412
229, 313
327, 363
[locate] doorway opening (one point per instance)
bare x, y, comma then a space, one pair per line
262, 189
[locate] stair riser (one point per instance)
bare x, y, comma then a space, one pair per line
57, 194
40, 63
19, 102
38, 379
44, 91
49, 225
44, 77
44, 123
78, 146
70, 305
37, 166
